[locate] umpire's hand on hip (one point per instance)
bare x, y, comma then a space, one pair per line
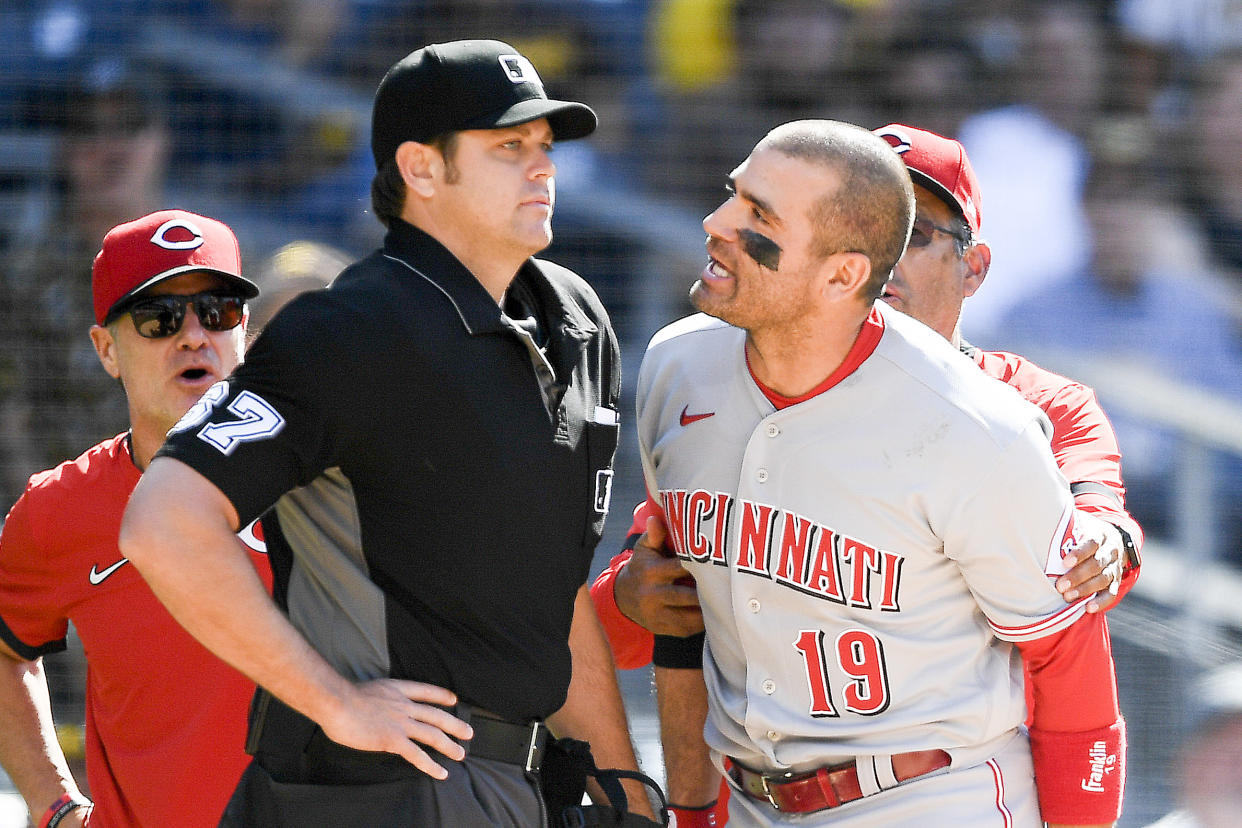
398, 716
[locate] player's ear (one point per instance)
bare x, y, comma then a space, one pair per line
847, 273
417, 164
105, 349
977, 258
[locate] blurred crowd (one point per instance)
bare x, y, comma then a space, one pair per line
1105, 134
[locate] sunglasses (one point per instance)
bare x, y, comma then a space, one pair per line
156, 317
921, 234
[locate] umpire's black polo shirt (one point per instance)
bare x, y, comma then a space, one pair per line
435, 520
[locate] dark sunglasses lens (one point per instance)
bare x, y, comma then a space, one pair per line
156, 318
162, 316
921, 235
219, 313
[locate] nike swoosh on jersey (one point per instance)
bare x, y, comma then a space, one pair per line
97, 576
687, 419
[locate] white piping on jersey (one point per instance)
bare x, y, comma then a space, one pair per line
999, 777
1046, 626
434, 284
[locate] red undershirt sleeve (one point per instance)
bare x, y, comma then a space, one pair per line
1078, 737
631, 644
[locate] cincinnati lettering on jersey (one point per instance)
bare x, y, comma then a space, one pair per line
1102, 763
782, 546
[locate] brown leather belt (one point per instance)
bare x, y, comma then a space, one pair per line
827, 787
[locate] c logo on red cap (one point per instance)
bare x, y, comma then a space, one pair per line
897, 139
162, 239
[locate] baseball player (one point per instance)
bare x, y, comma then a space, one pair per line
945, 261
165, 719
436, 433
870, 521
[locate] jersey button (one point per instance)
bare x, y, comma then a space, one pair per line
773, 429
753, 604
769, 686
773, 736
762, 475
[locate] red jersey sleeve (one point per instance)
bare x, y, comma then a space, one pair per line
1077, 733
1085, 448
631, 644
1084, 444
32, 621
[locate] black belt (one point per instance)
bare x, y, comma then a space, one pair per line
293, 749
504, 741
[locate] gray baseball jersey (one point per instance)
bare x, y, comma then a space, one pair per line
865, 557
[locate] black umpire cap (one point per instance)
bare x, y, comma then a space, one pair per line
465, 84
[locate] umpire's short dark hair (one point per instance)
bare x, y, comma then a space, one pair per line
387, 192
388, 188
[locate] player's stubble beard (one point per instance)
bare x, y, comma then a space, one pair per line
761, 250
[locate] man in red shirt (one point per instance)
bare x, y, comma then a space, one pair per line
165, 719
644, 590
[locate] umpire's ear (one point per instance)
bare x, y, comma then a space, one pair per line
420, 165
105, 349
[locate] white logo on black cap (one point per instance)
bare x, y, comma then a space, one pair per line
161, 235
519, 69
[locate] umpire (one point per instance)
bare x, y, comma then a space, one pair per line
434, 434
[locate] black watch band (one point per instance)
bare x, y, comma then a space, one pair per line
1130, 554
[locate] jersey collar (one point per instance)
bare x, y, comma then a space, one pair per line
479, 313
864, 345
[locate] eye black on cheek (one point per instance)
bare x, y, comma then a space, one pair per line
759, 247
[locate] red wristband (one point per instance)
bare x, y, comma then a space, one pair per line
1080, 777
59, 810
704, 817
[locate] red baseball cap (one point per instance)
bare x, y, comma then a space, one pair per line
939, 164
159, 246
